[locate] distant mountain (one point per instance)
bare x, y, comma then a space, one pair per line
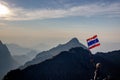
6, 61
22, 59
54, 51
21, 54
68, 65
17, 49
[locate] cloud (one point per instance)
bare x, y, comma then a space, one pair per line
112, 10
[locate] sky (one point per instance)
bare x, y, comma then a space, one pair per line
52, 22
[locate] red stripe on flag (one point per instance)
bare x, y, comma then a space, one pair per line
94, 46
92, 37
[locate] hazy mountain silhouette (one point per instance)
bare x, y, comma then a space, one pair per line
68, 65
22, 59
6, 61
21, 54
16, 49
54, 51
71, 65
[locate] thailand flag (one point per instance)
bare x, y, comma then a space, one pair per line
93, 42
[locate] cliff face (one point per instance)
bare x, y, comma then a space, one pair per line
6, 61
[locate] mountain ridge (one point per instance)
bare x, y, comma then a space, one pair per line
74, 42
68, 64
74, 64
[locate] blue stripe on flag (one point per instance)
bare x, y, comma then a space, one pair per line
93, 42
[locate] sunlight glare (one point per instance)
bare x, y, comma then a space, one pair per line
4, 10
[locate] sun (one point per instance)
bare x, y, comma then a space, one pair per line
4, 10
